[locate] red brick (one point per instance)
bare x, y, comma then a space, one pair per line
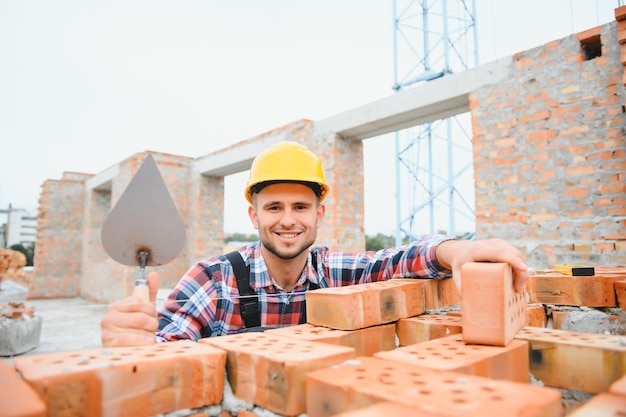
269, 370
389, 409
427, 327
365, 342
560, 289
542, 135
129, 381
358, 306
492, 311
441, 293
601, 405
17, 398
573, 360
621, 36
451, 353
620, 13
536, 316
246, 413
620, 294
359, 383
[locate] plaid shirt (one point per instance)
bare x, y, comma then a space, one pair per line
205, 302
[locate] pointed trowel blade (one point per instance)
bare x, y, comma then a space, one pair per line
144, 219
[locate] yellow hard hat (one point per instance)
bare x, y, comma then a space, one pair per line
287, 162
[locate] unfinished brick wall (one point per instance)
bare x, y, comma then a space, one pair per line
550, 151
59, 235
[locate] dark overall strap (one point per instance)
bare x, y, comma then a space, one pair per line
312, 286
249, 303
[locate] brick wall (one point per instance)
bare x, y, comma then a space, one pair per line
59, 235
550, 151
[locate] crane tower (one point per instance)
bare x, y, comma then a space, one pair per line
434, 176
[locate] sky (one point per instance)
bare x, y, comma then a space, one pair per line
86, 84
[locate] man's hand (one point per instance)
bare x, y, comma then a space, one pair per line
132, 321
452, 254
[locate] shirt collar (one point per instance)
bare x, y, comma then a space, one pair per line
258, 269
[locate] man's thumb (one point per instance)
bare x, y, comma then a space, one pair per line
153, 284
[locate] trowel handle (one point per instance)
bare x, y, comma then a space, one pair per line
142, 290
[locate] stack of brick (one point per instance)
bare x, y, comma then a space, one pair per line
12, 263
589, 304
399, 347
20, 329
16, 311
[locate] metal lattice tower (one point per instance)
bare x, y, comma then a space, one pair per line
434, 174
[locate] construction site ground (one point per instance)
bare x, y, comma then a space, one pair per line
70, 323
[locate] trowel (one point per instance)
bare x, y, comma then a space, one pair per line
144, 227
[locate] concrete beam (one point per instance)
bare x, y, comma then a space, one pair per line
103, 180
235, 159
434, 100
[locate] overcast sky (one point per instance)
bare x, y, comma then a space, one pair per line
86, 84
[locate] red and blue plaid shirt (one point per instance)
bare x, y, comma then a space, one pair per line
205, 302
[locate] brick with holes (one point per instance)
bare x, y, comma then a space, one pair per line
389, 409
451, 353
364, 381
426, 327
358, 306
365, 342
17, 398
492, 311
270, 370
573, 360
128, 381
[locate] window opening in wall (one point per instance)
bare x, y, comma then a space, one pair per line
591, 47
100, 207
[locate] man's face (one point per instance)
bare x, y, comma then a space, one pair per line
287, 216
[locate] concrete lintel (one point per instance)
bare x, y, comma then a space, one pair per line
431, 101
235, 159
103, 180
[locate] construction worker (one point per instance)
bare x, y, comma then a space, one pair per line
286, 190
